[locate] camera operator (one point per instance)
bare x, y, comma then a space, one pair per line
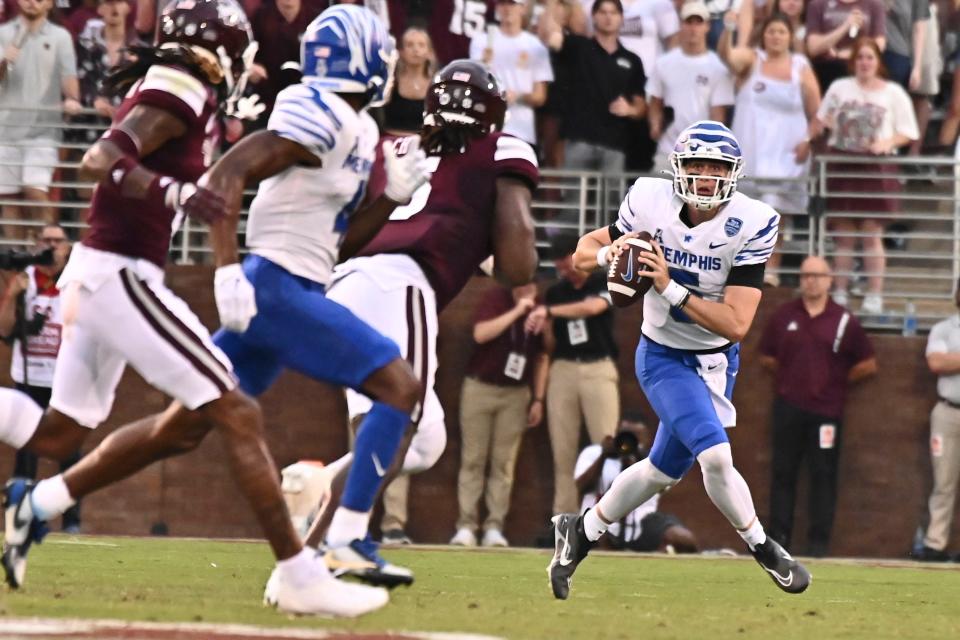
644, 528
31, 322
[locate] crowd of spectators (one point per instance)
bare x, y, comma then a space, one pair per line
592, 84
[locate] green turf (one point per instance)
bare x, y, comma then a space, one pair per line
503, 594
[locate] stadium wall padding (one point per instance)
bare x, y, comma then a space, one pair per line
884, 477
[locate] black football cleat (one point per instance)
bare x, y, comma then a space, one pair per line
786, 573
572, 547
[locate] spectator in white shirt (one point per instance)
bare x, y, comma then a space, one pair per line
688, 83
520, 61
868, 116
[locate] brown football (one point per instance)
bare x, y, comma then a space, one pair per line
624, 281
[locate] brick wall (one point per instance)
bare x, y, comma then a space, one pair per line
885, 470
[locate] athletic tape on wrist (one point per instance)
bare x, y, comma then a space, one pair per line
676, 294
602, 257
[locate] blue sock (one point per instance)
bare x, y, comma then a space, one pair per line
378, 439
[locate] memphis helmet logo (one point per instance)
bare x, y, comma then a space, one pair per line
348, 49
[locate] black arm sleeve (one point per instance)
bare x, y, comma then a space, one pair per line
748, 275
614, 231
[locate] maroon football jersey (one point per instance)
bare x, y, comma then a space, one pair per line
140, 228
448, 224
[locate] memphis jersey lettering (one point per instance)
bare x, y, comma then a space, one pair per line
300, 214
744, 232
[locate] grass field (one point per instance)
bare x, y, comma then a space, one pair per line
502, 594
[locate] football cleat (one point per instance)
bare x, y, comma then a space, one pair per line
786, 573
323, 595
22, 529
361, 559
572, 547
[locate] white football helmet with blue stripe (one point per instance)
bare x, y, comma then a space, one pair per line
706, 140
347, 49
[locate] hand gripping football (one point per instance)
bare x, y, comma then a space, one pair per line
624, 281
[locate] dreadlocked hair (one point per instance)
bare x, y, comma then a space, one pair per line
124, 75
442, 138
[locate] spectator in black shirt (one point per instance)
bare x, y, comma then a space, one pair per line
278, 27
605, 87
583, 381
403, 114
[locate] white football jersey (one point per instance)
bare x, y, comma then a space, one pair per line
300, 214
743, 232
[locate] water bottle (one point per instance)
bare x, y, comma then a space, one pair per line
909, 319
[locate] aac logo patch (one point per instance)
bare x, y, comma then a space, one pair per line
732, 226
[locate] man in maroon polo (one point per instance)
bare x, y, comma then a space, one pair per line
815, 348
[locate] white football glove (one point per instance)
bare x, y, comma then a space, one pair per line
406, 173
248, 108
235, 296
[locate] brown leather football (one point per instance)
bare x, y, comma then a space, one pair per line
624, 281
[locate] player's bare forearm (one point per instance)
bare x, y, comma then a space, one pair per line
256, 157
149, 128
514, 249
731, 317
585, 257
365, 224
223, 239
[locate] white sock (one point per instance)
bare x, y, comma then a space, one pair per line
593, 525
302, 568
729, 491
347, 525
51, 498
754, 534
632, 487
19, 417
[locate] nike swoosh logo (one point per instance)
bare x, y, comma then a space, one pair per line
377, 466
785, 582
19, 522
717, 246
565, 558
628, 276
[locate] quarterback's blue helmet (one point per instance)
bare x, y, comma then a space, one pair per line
706, 140
347, 49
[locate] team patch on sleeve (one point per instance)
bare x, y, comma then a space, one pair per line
515, 157
173, 89
301, 114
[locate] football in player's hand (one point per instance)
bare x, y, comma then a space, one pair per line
624, 281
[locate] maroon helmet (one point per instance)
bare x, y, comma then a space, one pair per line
219, 35
465, 97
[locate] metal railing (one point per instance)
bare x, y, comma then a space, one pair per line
922, 231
